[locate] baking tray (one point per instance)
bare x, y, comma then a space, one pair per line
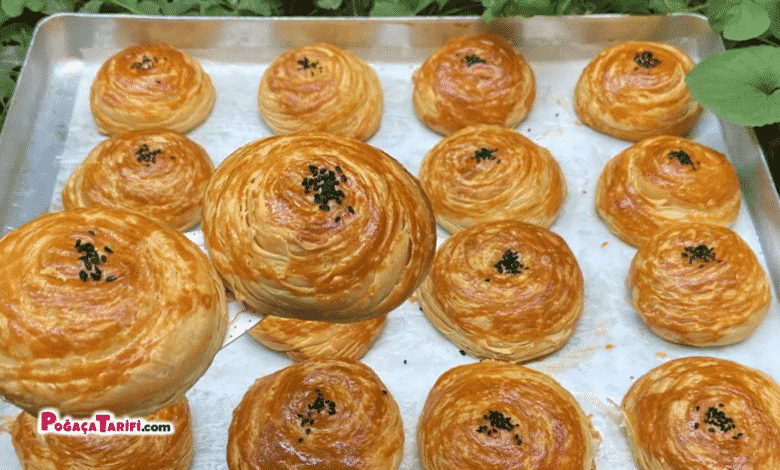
49, 130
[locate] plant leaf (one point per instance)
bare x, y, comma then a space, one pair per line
529, 8
12, 8
493, 9
328, 4
740, 85
389, 8
738, 20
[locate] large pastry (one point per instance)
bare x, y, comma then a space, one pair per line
319, 414
473, 79
105, 309
316, 226
493, 414
700, 285
635, 90
488, 172
321, 87
504, 290
702, 413
159, 173
151, 85
113, 451
666, 180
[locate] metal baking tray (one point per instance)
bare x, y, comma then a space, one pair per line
49, 130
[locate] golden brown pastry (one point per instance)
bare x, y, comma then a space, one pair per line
303, 339
664, 180
487, 172
316, 226
703, 413
94, 451
504, 290
323, 414
700, 285
159, 173
321, 88
473, 79
151, 85
636, 89
105, 309
502, 415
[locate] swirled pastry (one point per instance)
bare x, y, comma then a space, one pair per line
504, 290
107, 451
493, 414
488, 172
316, 226
151, 85
323, 414
303, 339
699, 285
321, 88
702, 413
635, 90
474, 79
159, 173
664, 180
105, 309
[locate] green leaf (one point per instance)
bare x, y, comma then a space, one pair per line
12, 8
92, 6
740, 85
259, 7
389, 8
179, 7
148, 7
528, 8
328, 4
738, 20
493, 9
773, 10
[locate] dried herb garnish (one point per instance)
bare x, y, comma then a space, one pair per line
717, 420
646, 60
509, 263
91, 258
484, 154
305, 64
314, 408
473, 59
146, 63
323, 183
683, 158
147, 156
701, 252
496, 420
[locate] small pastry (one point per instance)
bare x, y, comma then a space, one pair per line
321, 88
487, 172
158, 173
502, 415
316, 226
504, 290
105, 309
474, 79
635, 90
304, 339
665, 180
699, 285
319, 414
95, 451
151, 85
703, 413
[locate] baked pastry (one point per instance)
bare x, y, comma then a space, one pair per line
323, 414
473, 79
105, 309
702, 413
502, 415
321, 87
665, 180
151, 85
488, 172
504, 290
317, 226
158, 173
699, 284
303, 339
95, 451
636, 89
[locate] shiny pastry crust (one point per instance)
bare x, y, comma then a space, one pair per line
323, 414
281, 254
504, 290
701, 413
488, 172
474, 79
628, 94
130, 339
321, 88
304, 339
699, 285
651, 185
151, 85
106, 452
502, 415
158, 173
